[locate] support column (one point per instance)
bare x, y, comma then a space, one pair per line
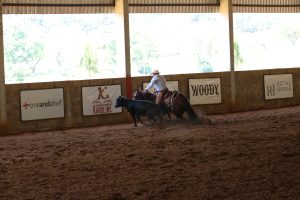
123, 41
226, 12
68, 106
3, 114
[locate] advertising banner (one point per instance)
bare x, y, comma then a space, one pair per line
42, 104
205, 91
172, 85
99, 100
278, 86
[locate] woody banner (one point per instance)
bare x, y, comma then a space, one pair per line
205, 91
99, 100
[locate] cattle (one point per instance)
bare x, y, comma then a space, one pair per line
138, 108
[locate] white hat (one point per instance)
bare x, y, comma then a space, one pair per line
155, 72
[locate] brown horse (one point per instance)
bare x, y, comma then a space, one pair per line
176, 102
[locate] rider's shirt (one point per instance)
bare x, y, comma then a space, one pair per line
158, 82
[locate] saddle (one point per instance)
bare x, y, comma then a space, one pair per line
167, 97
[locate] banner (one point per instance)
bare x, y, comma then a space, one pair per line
278, 86
99, 100
172, 85
42, 104
205, 91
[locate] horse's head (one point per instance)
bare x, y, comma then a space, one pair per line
143, 95
138, 94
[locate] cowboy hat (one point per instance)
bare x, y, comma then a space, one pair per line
155, 72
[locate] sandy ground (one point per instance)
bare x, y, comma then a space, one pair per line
249, 155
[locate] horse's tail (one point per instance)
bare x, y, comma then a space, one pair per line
196, 117
190, 111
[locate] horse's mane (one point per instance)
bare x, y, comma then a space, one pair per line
145, 95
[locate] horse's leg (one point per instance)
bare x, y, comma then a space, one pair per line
158, 115
152, 119
179, 117
150, 116
168, 111
164, 109
155, 116
159, 119
178, 112
169, 115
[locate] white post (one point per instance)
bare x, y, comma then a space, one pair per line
123, 41
226, 11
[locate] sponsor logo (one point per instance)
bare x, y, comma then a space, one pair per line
26, 105
279, 87
207, 90
49, 103
102, 105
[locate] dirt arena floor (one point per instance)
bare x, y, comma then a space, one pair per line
248, 155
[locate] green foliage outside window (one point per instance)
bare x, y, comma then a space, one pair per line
40, 48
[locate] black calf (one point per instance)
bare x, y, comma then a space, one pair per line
138, 108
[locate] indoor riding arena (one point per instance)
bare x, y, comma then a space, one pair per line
65, 63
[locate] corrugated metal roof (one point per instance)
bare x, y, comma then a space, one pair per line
146, 6
173, 6
266, 6
57, 6
172, 2
59, 1
266, 2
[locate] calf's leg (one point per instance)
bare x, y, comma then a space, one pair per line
134, 119
139, 118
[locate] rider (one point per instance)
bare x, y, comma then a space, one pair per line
159, 83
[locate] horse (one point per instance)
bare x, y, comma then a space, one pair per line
176, 102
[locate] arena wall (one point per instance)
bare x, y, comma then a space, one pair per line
249, 95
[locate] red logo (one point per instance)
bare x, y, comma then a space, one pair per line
25, 105
101, 93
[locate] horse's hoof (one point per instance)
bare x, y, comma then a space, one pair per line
208, 121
